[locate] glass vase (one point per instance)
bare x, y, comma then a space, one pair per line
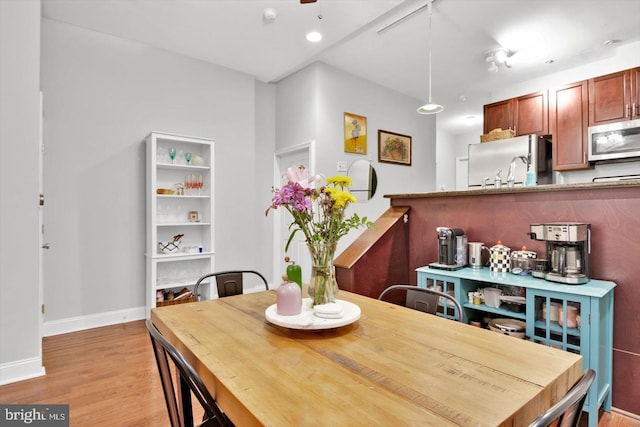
323, 286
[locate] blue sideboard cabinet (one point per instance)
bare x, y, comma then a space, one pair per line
591, 337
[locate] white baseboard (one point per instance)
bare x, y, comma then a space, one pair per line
21, 370
73, 324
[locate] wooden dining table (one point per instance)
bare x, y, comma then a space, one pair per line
393, 366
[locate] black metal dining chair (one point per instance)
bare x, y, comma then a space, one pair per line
230, 282
422, 299
179, 404
567, 412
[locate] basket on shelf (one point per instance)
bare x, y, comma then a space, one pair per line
497, 134
192, 298
184, 296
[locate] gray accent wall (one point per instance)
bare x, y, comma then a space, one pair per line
103, 95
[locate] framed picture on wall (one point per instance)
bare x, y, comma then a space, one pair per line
394, 148
355, 134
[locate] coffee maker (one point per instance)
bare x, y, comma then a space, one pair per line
452, 249
568, 249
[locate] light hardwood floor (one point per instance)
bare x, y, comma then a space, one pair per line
108, 376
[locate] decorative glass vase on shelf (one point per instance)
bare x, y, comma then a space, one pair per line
323, 287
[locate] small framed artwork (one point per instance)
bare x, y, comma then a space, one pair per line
355, 134
394, 148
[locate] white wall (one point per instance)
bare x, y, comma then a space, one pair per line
103, 95
310, 105
20, 346
265, 112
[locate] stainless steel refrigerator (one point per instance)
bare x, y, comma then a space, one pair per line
488, 159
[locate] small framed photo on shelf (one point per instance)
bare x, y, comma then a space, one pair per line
355, 134
394, 148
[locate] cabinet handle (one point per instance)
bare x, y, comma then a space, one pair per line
628, 110
584, 157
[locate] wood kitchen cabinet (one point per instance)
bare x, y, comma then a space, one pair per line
498, 115
532, 114
568, 122
526, 114
614, 97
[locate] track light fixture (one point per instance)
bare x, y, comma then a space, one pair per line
498, 57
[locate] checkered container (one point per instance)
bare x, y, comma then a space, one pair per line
523, 261
499, 258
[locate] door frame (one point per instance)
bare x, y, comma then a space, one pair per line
310, 148
41, 241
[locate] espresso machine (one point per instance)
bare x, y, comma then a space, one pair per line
568, 249
452, 249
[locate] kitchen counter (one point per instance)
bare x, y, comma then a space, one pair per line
520, 190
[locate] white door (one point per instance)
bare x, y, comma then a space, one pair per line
300, 155
462, 173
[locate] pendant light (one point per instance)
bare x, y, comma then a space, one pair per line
430, 107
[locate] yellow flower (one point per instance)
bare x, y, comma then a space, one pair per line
341, 198
340, 181
318, 213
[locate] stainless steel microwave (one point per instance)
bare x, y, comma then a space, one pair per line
614, 141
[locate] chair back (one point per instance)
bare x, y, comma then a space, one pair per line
230, 282
422, 299
178, 401
566, 413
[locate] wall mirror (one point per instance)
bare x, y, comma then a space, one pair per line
364, 180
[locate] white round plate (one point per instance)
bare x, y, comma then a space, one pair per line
308, 320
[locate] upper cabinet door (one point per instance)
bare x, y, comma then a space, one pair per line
498, 115
532, 114
568, 118
525, 115
635, 92
610, 98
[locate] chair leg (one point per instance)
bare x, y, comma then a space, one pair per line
184, 396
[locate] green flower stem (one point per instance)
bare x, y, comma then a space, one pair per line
323, 286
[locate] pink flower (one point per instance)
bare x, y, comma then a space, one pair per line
294, 196
298, 174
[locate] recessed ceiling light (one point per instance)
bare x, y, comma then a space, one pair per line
611, 41
314, 36
270, 14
